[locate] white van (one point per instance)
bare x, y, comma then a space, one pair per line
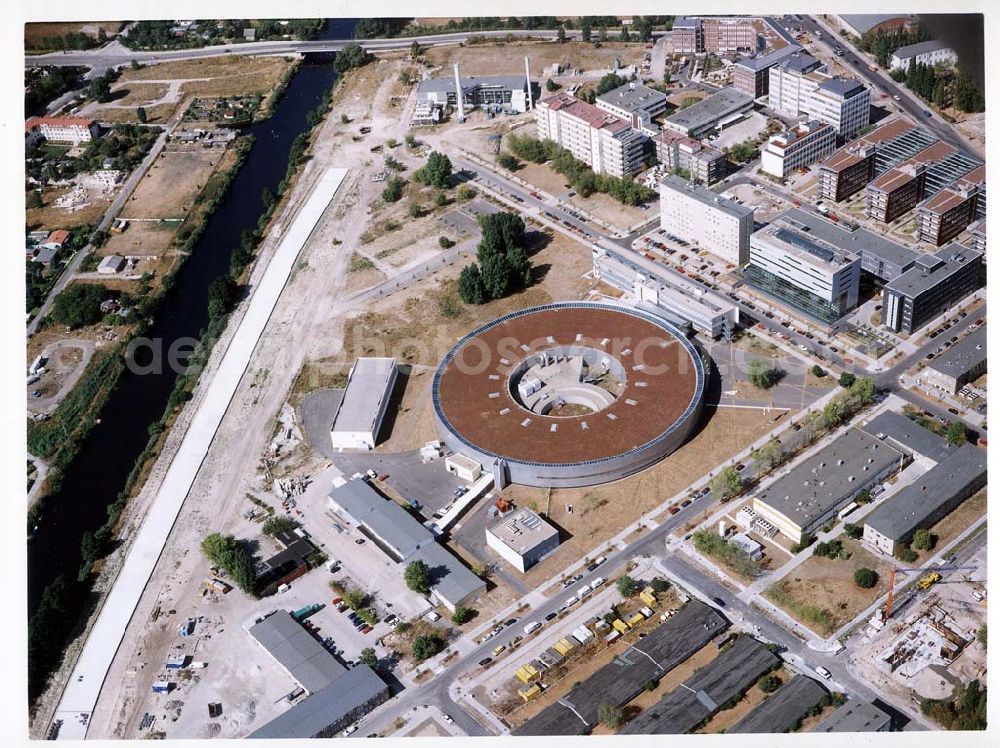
598, 581
824, 672
532, 627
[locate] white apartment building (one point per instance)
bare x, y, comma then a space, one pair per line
928, 53
697, 215
803, 271
62, 129
801, 86
798, 148
606, 143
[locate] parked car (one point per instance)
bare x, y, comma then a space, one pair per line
551, 616
447, 718
824, 672
485, 661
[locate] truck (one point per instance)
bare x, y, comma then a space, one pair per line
930, 579
162, 686
533, 626
304, 612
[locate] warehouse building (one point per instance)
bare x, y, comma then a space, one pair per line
697, 215
752, 75
935, 284
926, 501
657, 288
635, 103
717, 111
814, 276
797, 148
522, 539
606, 143
359, 416
814, 490
908, 436
624, 678
675, 151
784, 709
399, 535
856, 716
964, 362
928, 53
703, 694
947, 214
509, 91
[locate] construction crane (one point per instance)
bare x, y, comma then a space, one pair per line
933, 576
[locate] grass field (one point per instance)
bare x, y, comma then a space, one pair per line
507, 58
821, 593
143, 239
951, 526
172, 183
35, 33
51, 217
227, 76
137, 94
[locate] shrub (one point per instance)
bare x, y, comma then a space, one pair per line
508, 162
445, 242
906, 554
425, 646
853, 531
462, 615
418, 577
627, 586
279, 523
846, 380
393, 190
611, 716
769, 683
865, 578
818, 371
923, 540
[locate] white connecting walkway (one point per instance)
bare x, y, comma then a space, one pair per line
80, 695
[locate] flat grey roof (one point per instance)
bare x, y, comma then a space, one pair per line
859, 240
845, 88
325, 708
686, 22
804, 246
965, 355
622, 679
367, 387
921, 48
820, 483
905, 512
931, 270
909, 435
384, 518
800, 62
862, 22
705, 196
450, 578
446, 83
287, 641
771, 58
685, 707
855, 716
523, 530
710, 109
781, 710
633, 97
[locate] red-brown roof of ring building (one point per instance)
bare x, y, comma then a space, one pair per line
480, 416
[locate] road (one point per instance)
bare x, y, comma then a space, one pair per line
910, 104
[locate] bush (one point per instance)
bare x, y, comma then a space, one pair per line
769, 683
462, 615
279, 523
611, 716
79, 305
508, 162
425, 646
626, 586
923, 540
906, 554
393, 190
818, 371
853, 531
418, 577
445, 242
846, 380
865, 578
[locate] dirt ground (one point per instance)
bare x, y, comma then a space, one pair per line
52, 217
136, 94
951, 526
34, 33
155, 115
829, 584
143, 238
228, 76
172, 183
60, 365
507, 58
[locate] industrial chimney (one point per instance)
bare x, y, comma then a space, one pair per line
527, 77
458, 95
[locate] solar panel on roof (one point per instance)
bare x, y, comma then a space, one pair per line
806, 245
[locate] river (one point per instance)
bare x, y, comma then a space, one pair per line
109, 452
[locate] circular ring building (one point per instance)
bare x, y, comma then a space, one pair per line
569, 394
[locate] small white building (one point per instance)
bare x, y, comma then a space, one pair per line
523, 539
111, 264
750, 547
463, 467
929, 53
359, 417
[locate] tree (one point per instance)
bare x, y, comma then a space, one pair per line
659, 585
981, 636
608, 82
727, 483
140, 114
267, 198
626, 586
368, 657
956, 433
462, 615
853, 531
415, 49
33, 199
100, 88
865, 578
351, 56
223, 294
818, 371
426, 646
134, 64
769, 683
417, 576
79, 305
508, 162
393, 190
278, 523
496, 275
445, 242
231, 556
761, 373
625, 35
846, 380
602, 34
923, 540
611, 715
561, 35
551, 86
585, 31
940, 94
833, 413
436, 172
470, 285
907, 554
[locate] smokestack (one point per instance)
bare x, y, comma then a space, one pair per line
527, 77
458, 95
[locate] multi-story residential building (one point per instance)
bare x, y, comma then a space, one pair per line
810, 274
716, 111
852, 167
676, 151
801, 146
801, 85
927, 53
62, 129
935, 284
722, 36
945, 215
635, 103
686, 38
606, 143
697, 215
751, 75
